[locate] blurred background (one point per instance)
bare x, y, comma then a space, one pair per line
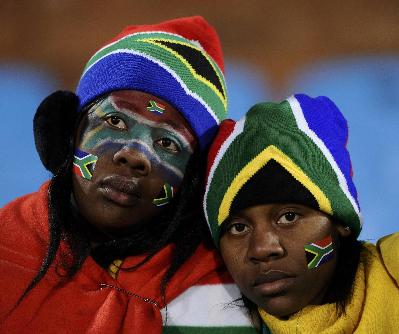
348, 51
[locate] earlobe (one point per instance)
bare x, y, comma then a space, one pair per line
53, 127
344, 231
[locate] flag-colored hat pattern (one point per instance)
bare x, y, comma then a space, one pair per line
179, 61
306, 136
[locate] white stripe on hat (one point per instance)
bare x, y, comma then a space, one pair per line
238, 129
303, 126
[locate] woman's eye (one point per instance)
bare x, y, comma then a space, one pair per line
238, 228
288, 218
168, 145
116, 122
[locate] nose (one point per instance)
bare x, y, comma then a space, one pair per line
265, 245
134, 160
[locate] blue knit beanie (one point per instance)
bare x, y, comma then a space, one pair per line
179, 61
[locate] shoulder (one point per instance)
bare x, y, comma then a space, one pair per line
24, 227
388, 247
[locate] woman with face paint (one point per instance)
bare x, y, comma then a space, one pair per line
115, 243
283, 209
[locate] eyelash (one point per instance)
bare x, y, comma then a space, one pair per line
233, 225
111, 118
289, 222
173, 151
295, 218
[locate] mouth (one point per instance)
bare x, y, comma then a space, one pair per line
120, 190
273, 282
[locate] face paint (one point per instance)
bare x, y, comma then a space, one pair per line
112, 127
114, 268
155, 107
84, 163
165, 196
319, 252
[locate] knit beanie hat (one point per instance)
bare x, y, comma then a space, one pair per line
288, 152
179, 61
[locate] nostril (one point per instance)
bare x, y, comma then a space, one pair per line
134, 160
122, 161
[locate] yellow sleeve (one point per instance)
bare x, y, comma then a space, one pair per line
389, 249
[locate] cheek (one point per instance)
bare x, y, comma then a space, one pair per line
233, 255
84, 164
172, 168
319, 252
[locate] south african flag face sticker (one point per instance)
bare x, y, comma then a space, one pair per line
155, 107
319, 252
165, 196
84, 163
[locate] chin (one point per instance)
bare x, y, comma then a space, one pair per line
280, 306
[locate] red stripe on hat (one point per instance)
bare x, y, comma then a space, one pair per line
193, 28
225, 129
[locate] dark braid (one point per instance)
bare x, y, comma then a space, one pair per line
55, 229
341, 286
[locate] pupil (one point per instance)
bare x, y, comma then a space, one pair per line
114, 120
290, 216
239, 227
166, 142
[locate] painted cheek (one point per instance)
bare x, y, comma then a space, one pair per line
165, 196
84, 164
319, 252
159, 165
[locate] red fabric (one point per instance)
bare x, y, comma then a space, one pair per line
225, 129
192, 28
92, 302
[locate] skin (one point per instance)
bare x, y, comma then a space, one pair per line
138, 152
263, 248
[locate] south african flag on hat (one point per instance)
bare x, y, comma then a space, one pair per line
305, 138
179, 61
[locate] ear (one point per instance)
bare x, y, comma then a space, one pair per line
343, 231
53, 127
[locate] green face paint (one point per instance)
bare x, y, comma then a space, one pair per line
165, 196
113, 125
83, 164
319, 252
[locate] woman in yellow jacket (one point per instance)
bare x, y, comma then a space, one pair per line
282, 207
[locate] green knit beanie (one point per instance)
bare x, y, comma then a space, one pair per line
302, 140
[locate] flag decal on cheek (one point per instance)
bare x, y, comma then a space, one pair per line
84, 163
165, 195
319, 252
155, 107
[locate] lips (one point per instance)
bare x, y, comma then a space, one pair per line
273, 282
120, 190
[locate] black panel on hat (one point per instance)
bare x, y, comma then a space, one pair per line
272, 184
198, 61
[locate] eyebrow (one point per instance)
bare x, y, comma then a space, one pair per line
123, 105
